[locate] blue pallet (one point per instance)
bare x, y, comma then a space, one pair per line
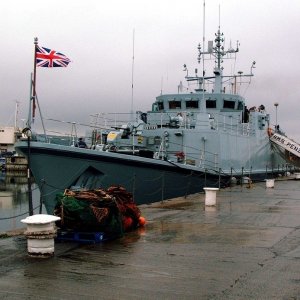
84, 237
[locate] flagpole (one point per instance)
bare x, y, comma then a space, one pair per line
28, 124
34, 79
28, 131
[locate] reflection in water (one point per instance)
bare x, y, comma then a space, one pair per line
210, 208
6, 199
14, 201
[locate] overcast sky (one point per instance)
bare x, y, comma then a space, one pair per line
98, 37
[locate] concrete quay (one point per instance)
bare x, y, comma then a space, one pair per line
245, 247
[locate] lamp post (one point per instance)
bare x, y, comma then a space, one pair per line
276, 125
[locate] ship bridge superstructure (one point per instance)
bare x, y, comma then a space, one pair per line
215, 95
210, 124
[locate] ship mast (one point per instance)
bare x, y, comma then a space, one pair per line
214, 50
218, 53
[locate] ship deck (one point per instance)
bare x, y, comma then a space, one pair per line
247, 247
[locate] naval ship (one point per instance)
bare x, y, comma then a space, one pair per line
202, 136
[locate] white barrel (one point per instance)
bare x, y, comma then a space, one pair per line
270, 183
210, 196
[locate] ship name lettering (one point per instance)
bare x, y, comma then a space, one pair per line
279, 139
293, 147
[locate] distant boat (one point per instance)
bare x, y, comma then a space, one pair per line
188, 140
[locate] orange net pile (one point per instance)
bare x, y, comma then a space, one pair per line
98, 210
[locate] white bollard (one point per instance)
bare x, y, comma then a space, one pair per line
297, 175
246, 180
210, 196
40, 234
233, 180
270, 183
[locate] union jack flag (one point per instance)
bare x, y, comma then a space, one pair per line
49, 58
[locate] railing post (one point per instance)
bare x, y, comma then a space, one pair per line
242, 176
133, 186
162, 187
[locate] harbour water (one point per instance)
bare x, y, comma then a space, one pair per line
14, 201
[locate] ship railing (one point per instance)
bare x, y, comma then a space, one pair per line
107, 121
222, 122
245, 128
62, 132
110, 120
194, 156
245, 173
230, 124
238, 129
67, 132
216, 121
155, 120
209, 160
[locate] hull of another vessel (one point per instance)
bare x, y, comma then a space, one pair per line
287, 156
56, 168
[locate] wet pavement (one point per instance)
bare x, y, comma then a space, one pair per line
247, 247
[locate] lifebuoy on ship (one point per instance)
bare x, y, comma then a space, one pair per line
180, 156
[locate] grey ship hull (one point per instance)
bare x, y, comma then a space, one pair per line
56, 168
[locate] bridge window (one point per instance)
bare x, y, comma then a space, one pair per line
240, 105
229, 104
174, 104
160, 105
192, 104
211, 104
157, 106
